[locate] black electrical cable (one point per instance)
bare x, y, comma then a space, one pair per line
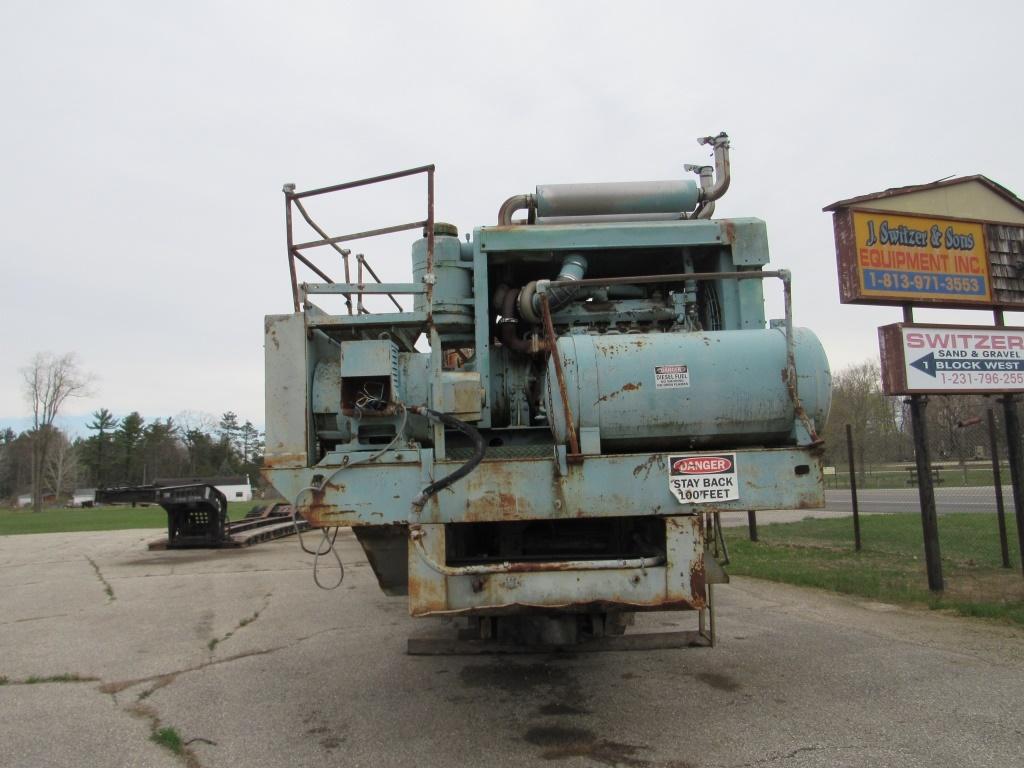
479, 448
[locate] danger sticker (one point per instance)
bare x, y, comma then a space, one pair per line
703, 478
671, 376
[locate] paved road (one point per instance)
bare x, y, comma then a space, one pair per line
255, 667
978, 499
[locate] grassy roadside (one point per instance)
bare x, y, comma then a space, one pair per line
62, 520
890, 568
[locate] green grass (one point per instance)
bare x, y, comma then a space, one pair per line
890, 568
169, 738
61, 519
67, 677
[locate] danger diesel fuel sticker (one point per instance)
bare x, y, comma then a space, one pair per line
703, 478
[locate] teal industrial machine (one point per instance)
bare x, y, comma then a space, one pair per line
544, 440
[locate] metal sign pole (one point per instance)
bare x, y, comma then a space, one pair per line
997, 483
853, 488
1013, 454
925, 488
926, 493
1016, 468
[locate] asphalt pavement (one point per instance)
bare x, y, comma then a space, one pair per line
104, 642
979, 499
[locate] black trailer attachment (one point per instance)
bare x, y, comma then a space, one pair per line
197, 516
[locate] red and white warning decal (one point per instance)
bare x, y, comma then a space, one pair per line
703, 478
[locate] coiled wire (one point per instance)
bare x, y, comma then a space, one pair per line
330, 533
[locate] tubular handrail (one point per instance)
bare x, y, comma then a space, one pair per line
293, 198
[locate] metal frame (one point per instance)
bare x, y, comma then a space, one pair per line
293, 198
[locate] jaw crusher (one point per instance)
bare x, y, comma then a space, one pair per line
544, 440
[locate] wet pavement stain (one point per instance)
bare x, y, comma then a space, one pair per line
331, 743
561, 743
558, 708
516, 678
718, 680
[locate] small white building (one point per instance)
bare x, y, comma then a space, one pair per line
238, 490
25, 500
83, 497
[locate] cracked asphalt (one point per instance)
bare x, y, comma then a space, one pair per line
102, 642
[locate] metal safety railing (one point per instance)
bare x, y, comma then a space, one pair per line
293, 200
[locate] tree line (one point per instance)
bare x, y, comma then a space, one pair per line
956, 425
131, 451
44, 460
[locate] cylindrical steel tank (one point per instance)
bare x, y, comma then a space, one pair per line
453, 281
648, 391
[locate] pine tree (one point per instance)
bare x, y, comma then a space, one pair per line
127, 438
229, 432
104, 423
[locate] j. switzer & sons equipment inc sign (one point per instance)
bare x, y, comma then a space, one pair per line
889, 257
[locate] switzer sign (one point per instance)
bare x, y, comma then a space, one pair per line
941, 358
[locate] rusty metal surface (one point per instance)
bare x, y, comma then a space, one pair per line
604, 486
359, 235
846, 255
286, 417
343, 252
894, 371
556, 358
648, 641
366, 181
294, 250
679, 584
288, 237
364, 264
313, 267
678, 277
430, 240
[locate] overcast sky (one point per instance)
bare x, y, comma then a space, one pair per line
144, 146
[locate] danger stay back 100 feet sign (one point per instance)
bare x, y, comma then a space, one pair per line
703, 478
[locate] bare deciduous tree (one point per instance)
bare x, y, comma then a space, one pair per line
62, 464
857, 399
49, 382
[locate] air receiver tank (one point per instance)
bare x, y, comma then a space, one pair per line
651, 391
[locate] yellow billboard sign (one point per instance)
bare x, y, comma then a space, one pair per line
915, 258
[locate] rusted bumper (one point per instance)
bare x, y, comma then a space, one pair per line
678, 584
